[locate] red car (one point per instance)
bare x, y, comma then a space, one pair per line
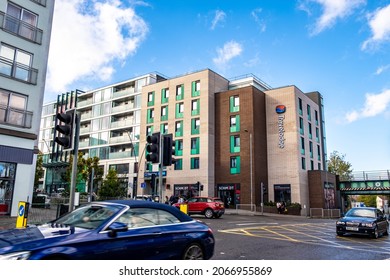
208, 206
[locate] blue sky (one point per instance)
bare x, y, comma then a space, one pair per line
337, 47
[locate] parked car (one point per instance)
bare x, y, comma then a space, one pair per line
208, 206
363, 221
112, 230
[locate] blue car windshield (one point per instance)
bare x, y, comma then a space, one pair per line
361, 213
90, 216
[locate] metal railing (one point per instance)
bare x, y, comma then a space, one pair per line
18, 71
21, 28
324, 213
17, 117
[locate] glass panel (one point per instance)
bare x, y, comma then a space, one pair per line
18, 102
4, 98
23, 58
7, 53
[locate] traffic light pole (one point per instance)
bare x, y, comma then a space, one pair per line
74, 165
160, 167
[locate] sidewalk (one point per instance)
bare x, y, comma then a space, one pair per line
7, 222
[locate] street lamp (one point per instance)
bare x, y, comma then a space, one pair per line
134, 190
251, 165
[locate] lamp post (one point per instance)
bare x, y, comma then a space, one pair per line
251, 165
135, 184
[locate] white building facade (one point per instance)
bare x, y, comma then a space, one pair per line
25, 30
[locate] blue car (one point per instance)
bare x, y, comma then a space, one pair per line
112, 230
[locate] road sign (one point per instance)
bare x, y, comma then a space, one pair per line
143, 185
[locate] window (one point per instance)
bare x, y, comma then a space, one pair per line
301, 126
149, 130
311, 149
310, 132
164, 128
318, 152
164, 95
16, 63
300, 106
179, 110
302, 146
179, 164
235, 144
179, 147
303, 163
316, 116
235, 165
180, 92
150, 116
308, 112
195, 126
164, 113
195, 163
234, 103
195, 88
22, 23
145, 217
195, 146
235, 123
317, 135
13, 109
151, 98
179, 128
195, 107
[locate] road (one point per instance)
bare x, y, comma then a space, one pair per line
243, 237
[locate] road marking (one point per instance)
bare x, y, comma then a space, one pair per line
248, 224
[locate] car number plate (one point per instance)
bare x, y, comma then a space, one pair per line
353, 228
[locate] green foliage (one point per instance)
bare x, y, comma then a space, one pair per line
111, 187
339, 166
369, 200
39, 171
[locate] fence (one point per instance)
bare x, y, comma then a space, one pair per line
324, 213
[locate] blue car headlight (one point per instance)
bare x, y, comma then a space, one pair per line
24, 255
340, 223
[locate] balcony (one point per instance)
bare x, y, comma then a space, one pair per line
18, 71
21, 28
12, 116
84, 102
124, 92
123, 123
119, 139
122, 108
85, 129
116, 155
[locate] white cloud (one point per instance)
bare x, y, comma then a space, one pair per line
229, 51
260, 22
333, 10
88, 38
379, 22
219, 17
382, 69
375, 104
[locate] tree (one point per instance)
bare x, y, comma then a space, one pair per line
369, 200
39, 171
339, 166
84, 169
111, 187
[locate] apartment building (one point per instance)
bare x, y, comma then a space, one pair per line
110, 119
25, 30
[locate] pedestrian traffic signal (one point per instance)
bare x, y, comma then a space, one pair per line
65, 128
168, 150
153, 147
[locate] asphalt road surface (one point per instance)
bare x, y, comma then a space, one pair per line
290, 238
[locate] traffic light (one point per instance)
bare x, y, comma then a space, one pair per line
168, 150
153, 148
65, 128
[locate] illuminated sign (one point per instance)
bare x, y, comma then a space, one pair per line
280, 110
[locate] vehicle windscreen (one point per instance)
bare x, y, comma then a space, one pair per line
367, 213
89, 217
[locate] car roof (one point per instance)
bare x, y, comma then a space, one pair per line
149, 204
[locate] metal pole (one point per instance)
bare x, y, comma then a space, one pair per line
262, 198
160, 169
91, 190
74, 166
251, 167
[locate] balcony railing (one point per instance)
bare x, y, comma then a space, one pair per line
21, 28
12, 116
124, 92
40, 2
116, 155
123, 123
18, 71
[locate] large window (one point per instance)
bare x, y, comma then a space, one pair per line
164, 113
195, 163
22, 23
179, 128
180, 92
195, 90
13, 109
234, 103
195, 146
195, 107
235, 165
235, 123
17, 63
234, 143
195, 126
